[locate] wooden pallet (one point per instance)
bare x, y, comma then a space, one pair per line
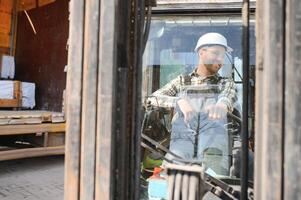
31, 152
44, 127
16, 102
30, 117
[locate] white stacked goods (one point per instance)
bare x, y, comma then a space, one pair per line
27, 91
28, 95
7, 67
6, 89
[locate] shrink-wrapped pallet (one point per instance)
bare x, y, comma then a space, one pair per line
17, 94
7, 67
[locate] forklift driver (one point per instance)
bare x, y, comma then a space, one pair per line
201, 136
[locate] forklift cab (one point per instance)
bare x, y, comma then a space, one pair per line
169, 52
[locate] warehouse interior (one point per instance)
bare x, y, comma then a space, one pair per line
33, 52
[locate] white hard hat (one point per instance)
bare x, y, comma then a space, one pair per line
212, 39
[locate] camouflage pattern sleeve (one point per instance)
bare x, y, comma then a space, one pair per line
167, 95
228, 94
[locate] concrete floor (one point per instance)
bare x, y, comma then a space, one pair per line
32, 179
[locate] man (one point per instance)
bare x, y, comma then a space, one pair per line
199, 133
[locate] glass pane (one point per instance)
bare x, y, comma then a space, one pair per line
205, 129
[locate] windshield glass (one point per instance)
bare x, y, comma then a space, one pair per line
170, 48
192, 92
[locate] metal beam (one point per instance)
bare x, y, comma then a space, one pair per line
245, 110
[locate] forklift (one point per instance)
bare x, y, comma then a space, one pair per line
105, 94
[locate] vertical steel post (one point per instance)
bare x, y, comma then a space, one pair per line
245, 127
137, 87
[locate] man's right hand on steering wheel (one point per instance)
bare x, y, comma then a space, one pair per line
215, 111
186, 109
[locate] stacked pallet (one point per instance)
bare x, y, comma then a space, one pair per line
16, 94
43, 131
13, 93
30, 117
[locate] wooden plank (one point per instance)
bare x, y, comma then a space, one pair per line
27, 4
104, 157
29, 113
32, 128
14, 27
259, 98
31, 152
292, 162
5, 25
20, 121
18, 93
45, 139
12, 121
4, 50
55, 139
16, 101
73, 99
29, 117
4, 40
89, 106
44, 2
269, 121
9, 103
6, 6
57, 118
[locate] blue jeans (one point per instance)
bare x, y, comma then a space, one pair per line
211, 137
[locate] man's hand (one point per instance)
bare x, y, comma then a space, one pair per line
186, 109
216, 111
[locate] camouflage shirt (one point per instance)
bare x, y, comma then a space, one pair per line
167, 96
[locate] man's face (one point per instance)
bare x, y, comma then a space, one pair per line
212, 57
